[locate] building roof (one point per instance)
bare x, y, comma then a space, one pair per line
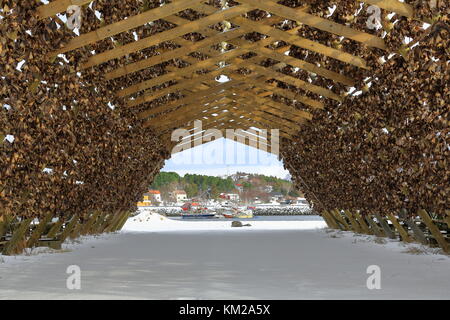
154, 192
179, 192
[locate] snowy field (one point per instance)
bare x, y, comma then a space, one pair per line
158, 258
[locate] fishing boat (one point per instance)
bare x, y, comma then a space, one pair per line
193, 210
238, 213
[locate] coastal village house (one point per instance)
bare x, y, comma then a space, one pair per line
155, 195
150, 198
230, 196
179, 196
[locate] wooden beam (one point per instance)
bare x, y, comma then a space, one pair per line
39, 230
293, 81
402, 232
173, 54
379, 232
434, 231
187, 47
278, 122
290, 111
57, 6
387, 229
328, 74
362, 223
68, 228
317, 22
18, 240
181, 72
188, 100
166, 35
396, 6
280, 35
125, 25
190, 116
54, 230
181, 112
354, 224
260, 82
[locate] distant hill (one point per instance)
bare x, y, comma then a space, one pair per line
248, 186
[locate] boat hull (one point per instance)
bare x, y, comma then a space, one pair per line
198, 216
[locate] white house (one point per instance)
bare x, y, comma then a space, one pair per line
180, 196
155, 195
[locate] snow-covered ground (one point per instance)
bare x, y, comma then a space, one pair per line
157, 258
148, 221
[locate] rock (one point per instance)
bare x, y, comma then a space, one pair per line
238, 224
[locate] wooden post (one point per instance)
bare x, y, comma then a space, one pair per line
68, 228
15, 244
353, 222
362, 223
107, 222
36, 235
114, 221
340, 219
75, 233
4, 224
91, 220
403, 233
98, 223
116, 224
387, 229
55, 229
434, 230
418, 234
447, 218
375, 228
326, 220
124, 220
330, 220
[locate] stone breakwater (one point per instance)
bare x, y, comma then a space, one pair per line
259, 211
284, 211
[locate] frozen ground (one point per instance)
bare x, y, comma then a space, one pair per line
165, 259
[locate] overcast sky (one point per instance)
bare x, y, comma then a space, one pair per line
223, 157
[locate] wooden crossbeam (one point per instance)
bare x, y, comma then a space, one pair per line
57, 6
396, 6
183, 118
200, 137
152, 95
221, 122
222, 57
301, 42
236, 110
166, 35
256, 117
268, 105
293, 81
246, 63
260, 98
441, 240
214, 37
188, 100
317, 22
269, 112
179, 73
243, 137
305, 66
261, 83
173, 54
292, 112
126, 25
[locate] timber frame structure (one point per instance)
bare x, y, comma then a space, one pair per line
229, 64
